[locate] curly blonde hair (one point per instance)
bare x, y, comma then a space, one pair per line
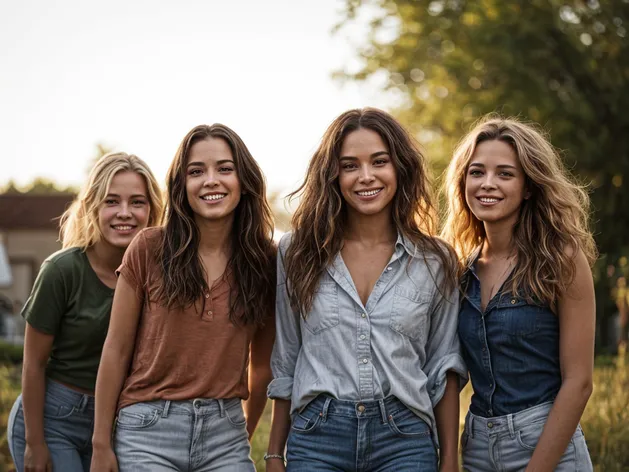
553, 223
79, 223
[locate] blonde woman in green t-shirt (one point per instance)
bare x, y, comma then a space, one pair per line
67, 315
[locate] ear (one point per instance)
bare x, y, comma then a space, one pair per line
527, 194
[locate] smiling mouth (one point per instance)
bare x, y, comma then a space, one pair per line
123, 227
369, 193
213, 198
489, 200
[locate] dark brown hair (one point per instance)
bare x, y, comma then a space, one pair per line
253, 252
318, 222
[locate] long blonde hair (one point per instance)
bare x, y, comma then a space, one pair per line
79, 223
553, 223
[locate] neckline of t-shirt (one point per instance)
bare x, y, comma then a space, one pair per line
101, 285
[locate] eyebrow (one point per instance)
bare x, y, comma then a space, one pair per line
199, 163
132, 196
375, 154
501, 166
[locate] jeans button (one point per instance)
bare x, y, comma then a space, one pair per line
361, 408
490, 425
196, 404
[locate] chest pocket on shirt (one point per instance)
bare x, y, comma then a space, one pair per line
325, 308
519, 318
409, 314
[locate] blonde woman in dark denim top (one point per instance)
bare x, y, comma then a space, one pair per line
366, 356
527, 317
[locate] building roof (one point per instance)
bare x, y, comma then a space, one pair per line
23, 211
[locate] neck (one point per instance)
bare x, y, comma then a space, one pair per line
106, 255
370, 229
215, 236
498, 240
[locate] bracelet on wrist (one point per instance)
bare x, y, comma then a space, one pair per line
268, 456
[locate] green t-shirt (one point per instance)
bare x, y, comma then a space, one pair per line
70, 302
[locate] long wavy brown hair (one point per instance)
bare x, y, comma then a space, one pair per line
319, 221
553, 223
253, 251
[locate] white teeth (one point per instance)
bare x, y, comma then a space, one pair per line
123, 228
368, 193
213, 197
488, 200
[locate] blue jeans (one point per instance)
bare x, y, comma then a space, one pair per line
198, 435
375, 436
506, 443
68, 428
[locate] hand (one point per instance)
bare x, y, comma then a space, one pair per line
103, 460
275, 465
37, 458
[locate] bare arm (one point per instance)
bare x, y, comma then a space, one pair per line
115, 359
280, 426
576, 320
37, 347
259, 373
447, 418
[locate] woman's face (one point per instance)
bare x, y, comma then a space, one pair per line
212, 184
495, 183
367, 176
125, 210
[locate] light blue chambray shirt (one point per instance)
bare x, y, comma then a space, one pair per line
401, 343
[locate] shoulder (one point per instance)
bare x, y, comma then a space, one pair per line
434, 251
147, 240
285, 242
66, 259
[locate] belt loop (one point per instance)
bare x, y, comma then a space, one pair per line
221, 407
166, 408
383, 411
83, 403
324, 411
470, 425
510, 423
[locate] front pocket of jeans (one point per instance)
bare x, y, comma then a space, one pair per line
58, 412
236, 415
407, 424
528, 436
129, 420
409, 314
325, 309
306, 421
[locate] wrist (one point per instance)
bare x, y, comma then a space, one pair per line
274, 456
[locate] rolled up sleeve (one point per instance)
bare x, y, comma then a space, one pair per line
443, 349
288, 335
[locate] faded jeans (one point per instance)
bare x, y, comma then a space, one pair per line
200, 435
506, 443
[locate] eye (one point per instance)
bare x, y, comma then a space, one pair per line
475, 172
348, 166
380, 162
504, 173
225, 169
111, 201
138, 202
196, 171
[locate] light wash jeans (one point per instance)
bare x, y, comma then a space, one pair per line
68, 428
198, 435
506, 443
373, 436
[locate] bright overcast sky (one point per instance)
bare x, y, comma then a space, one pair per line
136, 75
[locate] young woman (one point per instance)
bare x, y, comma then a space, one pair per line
67, 313
366, 352
527, 318
192, 308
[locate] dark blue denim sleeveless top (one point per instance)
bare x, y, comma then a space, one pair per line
511, 350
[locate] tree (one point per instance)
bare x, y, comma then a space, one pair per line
563, 64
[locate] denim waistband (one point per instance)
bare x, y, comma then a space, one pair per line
79, 401
192, 407
510, 423
362, 409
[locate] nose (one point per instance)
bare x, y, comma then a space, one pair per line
211, 180
488, 182
124, 211
366, 175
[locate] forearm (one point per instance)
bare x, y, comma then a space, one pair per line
254, 406
447, 418
280, 425
561, 424
33, 398
111, 375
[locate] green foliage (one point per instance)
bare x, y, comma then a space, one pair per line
39, 186
10, 353
561, 63
9, 390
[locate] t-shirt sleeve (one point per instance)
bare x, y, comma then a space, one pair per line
48, 300
134, 265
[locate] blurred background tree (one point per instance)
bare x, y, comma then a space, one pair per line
563, 64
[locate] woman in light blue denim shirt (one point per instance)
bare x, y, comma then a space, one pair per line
527, 317
366, 357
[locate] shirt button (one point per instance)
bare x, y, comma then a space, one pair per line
209, 312
361, 408
364, 315
491, 385
362, 336
365, 361
513, 301
207, 295
389, 269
